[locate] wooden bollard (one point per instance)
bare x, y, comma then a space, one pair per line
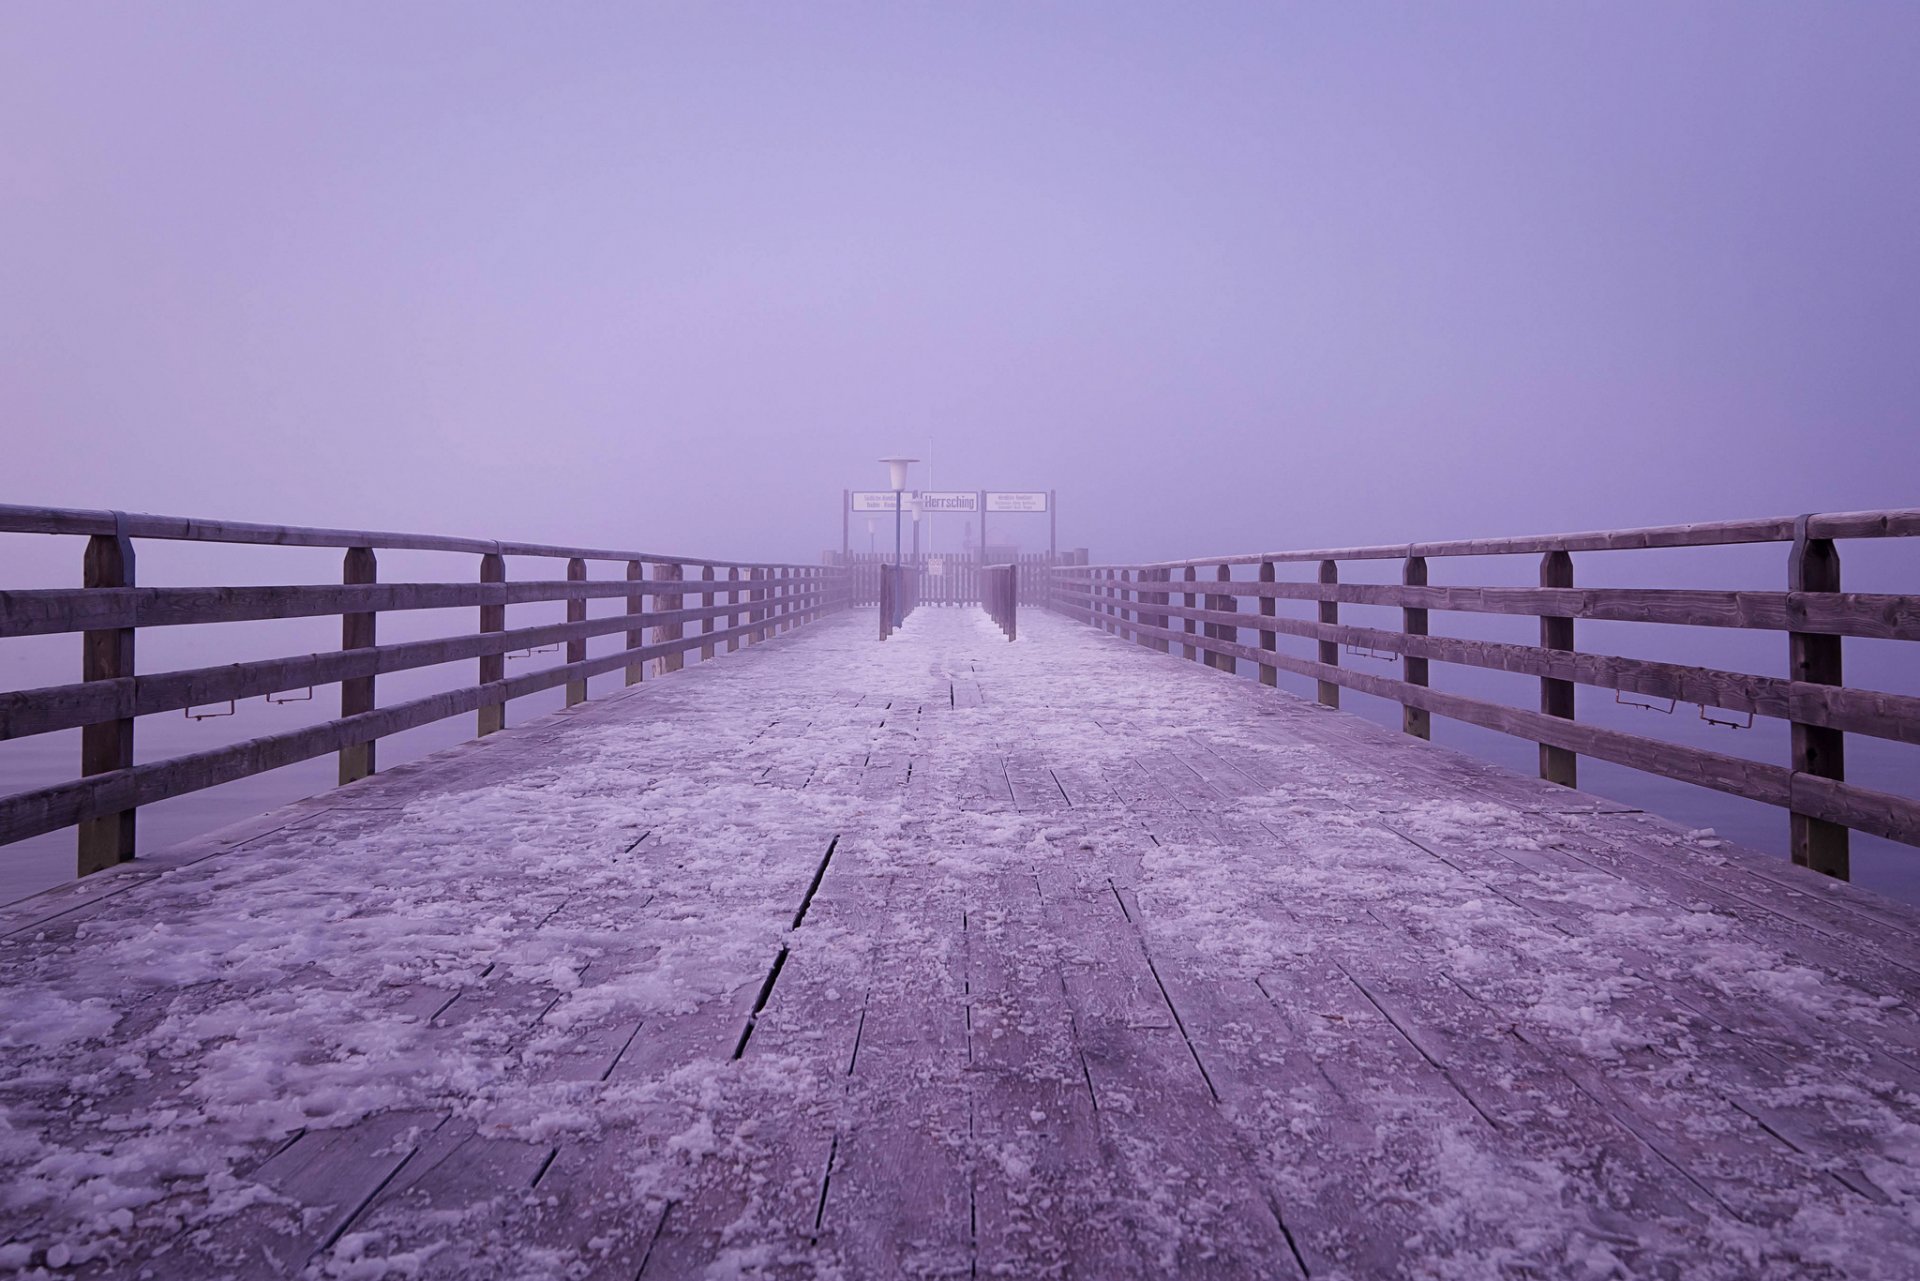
493, 667
106, 746
1817, 750
1329, 649
358, 631
636, 637
1557, 764
577, 649
1417, 721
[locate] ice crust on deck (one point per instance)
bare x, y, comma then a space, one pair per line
1118, 968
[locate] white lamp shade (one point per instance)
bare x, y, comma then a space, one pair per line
897, 471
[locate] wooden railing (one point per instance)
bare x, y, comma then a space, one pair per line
760, 600
899, 594
1000, 596
957, 582
1203, 618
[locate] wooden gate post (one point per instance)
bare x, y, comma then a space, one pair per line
1330, 616
357, 631
670, 572
106, 746
1269, 674
636, 572
1817, 750
1557, 764
1417, 721
577, 613
733, 601
493, 667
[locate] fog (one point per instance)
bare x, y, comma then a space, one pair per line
1232, 277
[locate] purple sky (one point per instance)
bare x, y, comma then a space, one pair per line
1228, 276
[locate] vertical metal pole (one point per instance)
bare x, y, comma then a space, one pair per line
107, 746
357, 631
1817, 750
846, 524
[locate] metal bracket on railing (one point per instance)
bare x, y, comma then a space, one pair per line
1647, 707
529, 653
192, 715
1368, 651
295, 698
1715, 720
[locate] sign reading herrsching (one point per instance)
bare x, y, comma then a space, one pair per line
950, 500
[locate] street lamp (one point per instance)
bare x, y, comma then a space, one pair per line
897, 478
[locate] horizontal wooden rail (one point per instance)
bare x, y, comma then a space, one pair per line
1204, 621
1902, 523
738, 603
65, 520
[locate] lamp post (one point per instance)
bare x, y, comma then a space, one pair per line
916, 505
897, 478
870, 528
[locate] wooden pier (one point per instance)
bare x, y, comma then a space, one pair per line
954, 957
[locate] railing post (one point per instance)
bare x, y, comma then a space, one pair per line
670, 572
1187, 624
636, 572
1557, 764
733, 602
1329, 649
1225, 631
106, 746
706, 602
1417, 721
1817, 750
357, 631
1269, 674
493, 667
577, 613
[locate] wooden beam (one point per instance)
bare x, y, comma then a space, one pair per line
577, 649
636, 603
493, 667
1557, 764
1417, 721
1329, 691
357, 631
673, 662
107, 747
1818, 751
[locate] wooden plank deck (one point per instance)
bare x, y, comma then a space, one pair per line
948, 957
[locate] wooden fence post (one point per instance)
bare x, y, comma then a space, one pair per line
1557, 764
1225, 631
357, 631
577, 649
733, 601
1329, 650
1417, 721
1187, 625
493, 667
1269, 674
706, 602
106, 746
636, 572
670, 572
1817, 750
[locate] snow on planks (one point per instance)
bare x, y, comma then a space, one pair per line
822, 962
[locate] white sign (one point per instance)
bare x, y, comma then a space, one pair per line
936, 566
1016, 502
931, 500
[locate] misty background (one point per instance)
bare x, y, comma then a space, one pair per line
1228, 277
